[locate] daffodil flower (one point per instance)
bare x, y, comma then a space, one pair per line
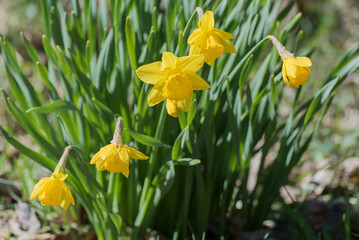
115, 157
210, 41
295, 70
52, 190
174, 79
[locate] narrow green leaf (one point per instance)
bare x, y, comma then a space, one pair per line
30, 49
146, 140
37, 157
56, 106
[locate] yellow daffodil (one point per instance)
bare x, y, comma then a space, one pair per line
295, 70
174, 79
52, 190
210, 41
115, 157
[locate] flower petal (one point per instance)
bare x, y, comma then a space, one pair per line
124, 154
105, 152
222, 34
151, 73
284, 74
171, 108
194, 35
299, 61
207, 21
135, 154
119, 163
191, 63
66, 197
198, 83
155, 96
290, 69
228, 45
100, 165
39, 186
51, 195
169, 60
195, 49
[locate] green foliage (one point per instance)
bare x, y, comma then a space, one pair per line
194, 162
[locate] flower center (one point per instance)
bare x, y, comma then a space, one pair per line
177, 87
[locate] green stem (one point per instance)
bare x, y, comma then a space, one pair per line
152, 159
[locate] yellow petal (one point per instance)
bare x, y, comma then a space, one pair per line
169, 60
125, 169
207, 21
299, 61
135, 154
197, 82
39, 186
228, 46
222, 34
100, 165
105, 152
151, 73
194, 35
66, 197
195, 49
155, 96
191, 63
119, 163
51, 193
284, 74
290, 69
124, 154
171, 108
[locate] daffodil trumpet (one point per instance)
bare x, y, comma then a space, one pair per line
295, 70
52, 190
115, 157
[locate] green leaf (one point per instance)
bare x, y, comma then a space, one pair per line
131, 43
146, 140
192, 112
179, 144
48, 49
56, 106
37, 157
30, 49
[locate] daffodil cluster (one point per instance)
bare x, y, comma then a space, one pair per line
174, 78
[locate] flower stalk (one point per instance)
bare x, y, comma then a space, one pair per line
283, 53
61, 166
117, 135
199, 12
